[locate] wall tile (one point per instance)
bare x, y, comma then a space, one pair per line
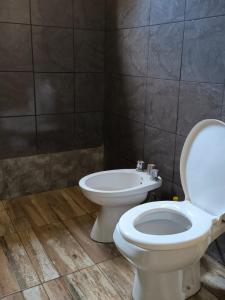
89, 92
16, 94
89, 129
165, 11
17, 136
161, 104
179, 146
127, 13
15, 49
52, 12
204, 41
15, 11
204, 8
127, 51
126, 96
89, 14
165, 50
26, 175
54, 93
159, 149
131, 139
89, 51
53, 49
178, 191
198, 101
55, 132
112, 131
2, 182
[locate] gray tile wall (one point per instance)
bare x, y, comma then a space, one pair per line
51, 75
165, 71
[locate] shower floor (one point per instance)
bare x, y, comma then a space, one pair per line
46, 253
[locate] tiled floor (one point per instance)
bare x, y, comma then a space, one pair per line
46, 253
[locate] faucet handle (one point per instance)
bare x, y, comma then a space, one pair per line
150, 167
140, 166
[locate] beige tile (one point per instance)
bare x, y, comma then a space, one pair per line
62, 248
80, 228
91, 284
35, 293
120, 274
41, 262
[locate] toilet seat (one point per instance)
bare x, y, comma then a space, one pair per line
201, 223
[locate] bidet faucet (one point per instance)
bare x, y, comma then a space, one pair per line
140, 166
153, 172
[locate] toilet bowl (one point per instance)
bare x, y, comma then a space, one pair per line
115, 191
165, 240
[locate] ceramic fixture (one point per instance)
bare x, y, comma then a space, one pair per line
165, 240
115, 191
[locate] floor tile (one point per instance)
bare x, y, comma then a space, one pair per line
16, 296
120, 275
80, 228
58, 289
35, 293
91, 284
64, 251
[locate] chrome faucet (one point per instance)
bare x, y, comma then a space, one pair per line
153, 172
140, 166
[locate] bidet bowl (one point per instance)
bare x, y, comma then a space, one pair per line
115, 191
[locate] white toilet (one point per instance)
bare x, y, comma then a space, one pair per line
165, 240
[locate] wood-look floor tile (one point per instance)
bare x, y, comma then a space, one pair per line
91, 284
213, 276
63, 205
2, 205
77, 196
41, 262
16, 296
6, 225
64, 251
36, 293
120, 274
17, 271
80, 228
14, 208
203, 294
58, 289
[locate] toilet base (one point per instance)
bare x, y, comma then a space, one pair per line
160, 286
106, 221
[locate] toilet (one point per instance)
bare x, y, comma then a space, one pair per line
165, 240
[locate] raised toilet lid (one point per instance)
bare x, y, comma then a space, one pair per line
202, 167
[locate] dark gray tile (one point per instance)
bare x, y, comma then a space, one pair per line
112, 160
62, 169
15, 48
89, 51
131, 140
112, 131
204, 8
89, 129
87, 161
178, 191
16, 94
89, 14
165, 50
165, 11
179, 147
127, 51
161, 105
54, 93
15, 11
2, 182
26, 175
17, 136
126, 96
203, 54
159, 149
198, 101
55, 132
89, 92
127, 13
52, 12
53, 49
